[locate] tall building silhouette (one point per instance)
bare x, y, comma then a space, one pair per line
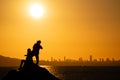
64, 58
90, 58
51, 58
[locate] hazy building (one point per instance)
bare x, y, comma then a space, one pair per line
80, 59
51, 58
64, 58
91, 58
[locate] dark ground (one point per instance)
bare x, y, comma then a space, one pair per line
79, 72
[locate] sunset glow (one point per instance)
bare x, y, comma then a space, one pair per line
36, 10
70, 28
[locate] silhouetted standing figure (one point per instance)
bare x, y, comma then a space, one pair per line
36, 48
28, 60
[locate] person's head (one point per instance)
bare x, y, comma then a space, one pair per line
39, 41
28, 51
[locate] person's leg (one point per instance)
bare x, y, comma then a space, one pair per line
21, 64
37, 59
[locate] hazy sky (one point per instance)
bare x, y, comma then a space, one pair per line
71, 28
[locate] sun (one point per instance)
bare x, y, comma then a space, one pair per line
36, 10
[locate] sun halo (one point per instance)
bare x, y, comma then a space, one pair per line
36, 10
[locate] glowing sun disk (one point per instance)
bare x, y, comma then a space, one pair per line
36, 10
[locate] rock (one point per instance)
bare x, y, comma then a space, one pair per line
33, 72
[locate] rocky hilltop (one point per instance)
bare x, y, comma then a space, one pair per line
33, 72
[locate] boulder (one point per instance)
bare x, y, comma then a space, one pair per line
33, 72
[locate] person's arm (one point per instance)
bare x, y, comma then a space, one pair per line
41, 47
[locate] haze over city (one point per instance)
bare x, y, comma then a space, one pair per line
71, 28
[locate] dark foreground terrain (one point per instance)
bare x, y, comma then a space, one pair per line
77, 72
33, 72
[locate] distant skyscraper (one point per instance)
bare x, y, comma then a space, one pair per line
51, 58
80, 59
64, 58
113, 59
90, 58
102, 59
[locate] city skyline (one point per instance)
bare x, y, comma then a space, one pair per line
90, 59
64, 62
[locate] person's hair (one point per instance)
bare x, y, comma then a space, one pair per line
28, 50
39, 41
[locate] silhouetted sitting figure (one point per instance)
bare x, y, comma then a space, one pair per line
28, 62
35, 51
28, 70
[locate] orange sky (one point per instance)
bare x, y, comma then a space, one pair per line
71, 28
